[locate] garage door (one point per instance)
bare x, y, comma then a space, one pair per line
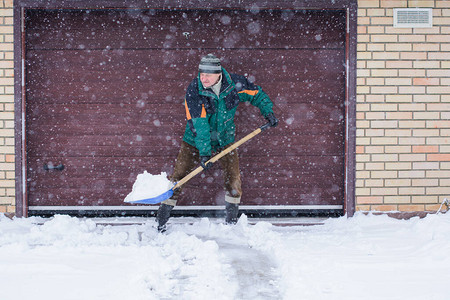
105, 92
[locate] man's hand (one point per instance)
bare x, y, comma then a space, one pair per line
272, 120
203, 160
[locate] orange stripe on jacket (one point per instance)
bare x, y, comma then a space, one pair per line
203, 115
188, 114
249, 92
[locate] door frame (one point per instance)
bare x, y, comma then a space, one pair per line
21, 6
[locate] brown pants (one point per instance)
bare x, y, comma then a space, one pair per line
188, 159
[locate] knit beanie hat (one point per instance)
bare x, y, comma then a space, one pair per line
210, 64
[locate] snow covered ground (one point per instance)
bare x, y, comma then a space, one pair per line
364, 257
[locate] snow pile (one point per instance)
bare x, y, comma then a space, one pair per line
364, 257
149, 186
69, 258
367, 257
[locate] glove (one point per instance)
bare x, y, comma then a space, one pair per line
203, 160
272, 120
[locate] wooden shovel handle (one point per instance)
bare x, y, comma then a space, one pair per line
221, 154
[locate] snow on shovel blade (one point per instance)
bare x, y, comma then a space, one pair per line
155, 200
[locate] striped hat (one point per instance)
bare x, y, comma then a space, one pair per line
210, 64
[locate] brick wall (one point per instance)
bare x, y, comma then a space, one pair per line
7, 192
403, 109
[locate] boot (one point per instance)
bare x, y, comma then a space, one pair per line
163, 216
231, 210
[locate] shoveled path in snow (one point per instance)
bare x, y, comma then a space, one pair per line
254, 271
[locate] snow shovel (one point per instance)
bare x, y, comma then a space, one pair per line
169, 193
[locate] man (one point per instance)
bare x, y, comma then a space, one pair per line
211, 102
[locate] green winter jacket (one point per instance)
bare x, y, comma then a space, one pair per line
210, 119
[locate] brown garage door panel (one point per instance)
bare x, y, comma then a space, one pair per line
155, 117
293, 167
144, 112
98, 195
122, 177
105, 146
294, 196
141, 123
100, 29
120, 168
297, 115
67, 76
78, 196
281, 180
79, 147
327, 90
153, 125
106, 132
294, 66
288, 69
140, 64
296, 76
295, 145
95, 180
268, 196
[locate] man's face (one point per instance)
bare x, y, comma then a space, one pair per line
208, 79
